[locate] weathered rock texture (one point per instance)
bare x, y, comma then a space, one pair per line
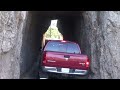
100, 39
31, 44
11, 25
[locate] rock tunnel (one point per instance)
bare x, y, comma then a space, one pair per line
38, 25
21, 38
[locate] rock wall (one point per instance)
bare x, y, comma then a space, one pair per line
100, 39
32, 38
11, 25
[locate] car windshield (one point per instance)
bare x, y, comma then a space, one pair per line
56, 46
73, 48
62, 47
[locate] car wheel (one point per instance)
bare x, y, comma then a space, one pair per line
43, 75
84, 77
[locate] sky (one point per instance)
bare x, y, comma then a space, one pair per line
53, 23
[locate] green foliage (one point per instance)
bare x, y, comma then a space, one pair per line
53, 33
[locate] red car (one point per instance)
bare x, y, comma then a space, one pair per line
60, 58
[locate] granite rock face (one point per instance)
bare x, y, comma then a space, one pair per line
11, 25
100, 38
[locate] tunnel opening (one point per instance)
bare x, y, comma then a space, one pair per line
52, 33
70, 25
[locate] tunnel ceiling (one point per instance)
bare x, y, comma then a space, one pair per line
57, 14
66, 21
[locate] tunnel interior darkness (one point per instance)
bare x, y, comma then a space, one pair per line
37, 24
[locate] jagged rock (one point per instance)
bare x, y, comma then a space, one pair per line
102, 35
11, 25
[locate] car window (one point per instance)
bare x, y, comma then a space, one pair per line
56, 46
73, 48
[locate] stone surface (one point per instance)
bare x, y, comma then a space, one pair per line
11, 25
101, 31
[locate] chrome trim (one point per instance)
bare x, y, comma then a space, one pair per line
51, 61
43, 78
66, 59
54, 70
49, 68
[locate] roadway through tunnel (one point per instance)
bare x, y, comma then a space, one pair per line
70, 25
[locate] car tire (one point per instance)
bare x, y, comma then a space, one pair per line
43, 75
85, 76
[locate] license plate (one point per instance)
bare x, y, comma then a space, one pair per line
65, 70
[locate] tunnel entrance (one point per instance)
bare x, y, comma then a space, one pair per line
69, 25
52, 33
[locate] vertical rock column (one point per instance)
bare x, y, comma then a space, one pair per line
100, 39
11, 26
